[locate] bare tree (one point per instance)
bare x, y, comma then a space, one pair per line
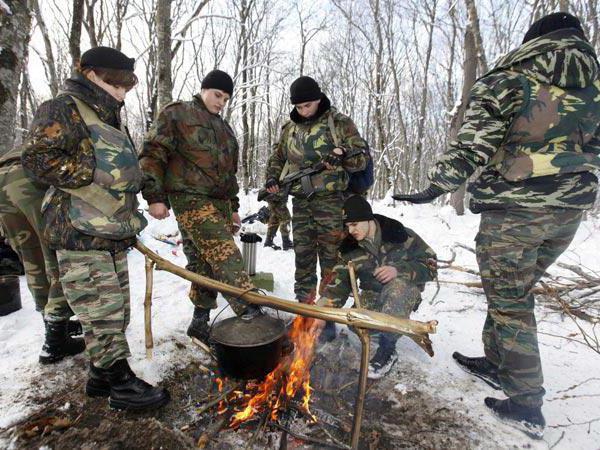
75, 35
15, 23
163, 30
48, 61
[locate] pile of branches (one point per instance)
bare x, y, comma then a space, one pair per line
576, 296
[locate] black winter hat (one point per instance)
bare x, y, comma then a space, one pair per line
106, 58
304, 89
217, 79
553, 22
357, 209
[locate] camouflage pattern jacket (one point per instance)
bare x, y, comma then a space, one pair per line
190, 150
59, 152
532, 125
398, 246
305, 142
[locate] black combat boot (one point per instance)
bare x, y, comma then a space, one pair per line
127, 391
384, 359
286, 244
97, 384
328, 332
269, 242
74, 328
481, 367
527, 419
199, 328
58, 343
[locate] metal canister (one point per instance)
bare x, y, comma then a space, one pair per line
249, 249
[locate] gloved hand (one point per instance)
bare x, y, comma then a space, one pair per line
335, 158
426, 196
272, 186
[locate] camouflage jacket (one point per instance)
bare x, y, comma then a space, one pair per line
534, 101
304, 143
399, 247
59, 152
190, 150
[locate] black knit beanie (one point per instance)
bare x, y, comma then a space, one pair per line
217, 79
304, 89
106, 58
357, 209
553, 22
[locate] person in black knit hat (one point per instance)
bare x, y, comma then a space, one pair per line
392, 265
190, 161
317, 135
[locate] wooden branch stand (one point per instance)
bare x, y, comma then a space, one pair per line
360, 319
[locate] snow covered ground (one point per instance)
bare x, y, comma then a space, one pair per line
572, 371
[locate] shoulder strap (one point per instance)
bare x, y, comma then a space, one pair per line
88, 115
331, 124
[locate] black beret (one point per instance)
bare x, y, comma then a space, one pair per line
106, 58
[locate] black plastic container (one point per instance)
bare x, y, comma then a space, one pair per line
10, 294
248, 349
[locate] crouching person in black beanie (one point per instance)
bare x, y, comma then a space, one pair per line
79, 147
392, 265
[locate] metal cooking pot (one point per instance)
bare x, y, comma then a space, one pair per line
248, 348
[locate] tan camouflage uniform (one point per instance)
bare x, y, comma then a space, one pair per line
190, 161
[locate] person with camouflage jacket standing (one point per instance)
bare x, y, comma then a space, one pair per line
533, 124
190, 159
392, 265
308, 140
79, 147
279, 218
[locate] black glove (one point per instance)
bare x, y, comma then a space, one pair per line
271, 182
334, 160
426, 196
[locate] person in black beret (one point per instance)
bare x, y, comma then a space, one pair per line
392, 266
79, 149
190, 161
317, 136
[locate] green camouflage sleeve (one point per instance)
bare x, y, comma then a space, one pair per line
159, 142
352, 141
494, 101
593, 146
339, 288
418, 262
278, 157
58, 150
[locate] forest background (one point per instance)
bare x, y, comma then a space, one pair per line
401, 69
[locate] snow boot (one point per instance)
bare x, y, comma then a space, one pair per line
129, 392
97, 384
286, 244
481, 367
58, 343
199, 328
384, 359
525, 418
328, 332
74, 328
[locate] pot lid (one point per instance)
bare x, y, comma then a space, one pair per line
244, 332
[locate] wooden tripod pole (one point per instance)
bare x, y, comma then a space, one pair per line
149, 341
365, 342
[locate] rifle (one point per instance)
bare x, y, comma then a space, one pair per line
262, 215
303, 175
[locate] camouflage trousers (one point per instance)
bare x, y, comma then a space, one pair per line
514, 249
21, 218
96, 284
318, 231
205, 225
398, 298
279, 218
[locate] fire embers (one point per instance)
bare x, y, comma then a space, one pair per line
286, 383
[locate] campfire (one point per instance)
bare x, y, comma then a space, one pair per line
286, 383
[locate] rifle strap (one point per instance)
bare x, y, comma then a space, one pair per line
285, 170
334, 134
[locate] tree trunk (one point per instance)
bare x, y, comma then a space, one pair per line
49, 64
75, 35
457, 199
474, 23
163, 31
15, 24
563, 5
